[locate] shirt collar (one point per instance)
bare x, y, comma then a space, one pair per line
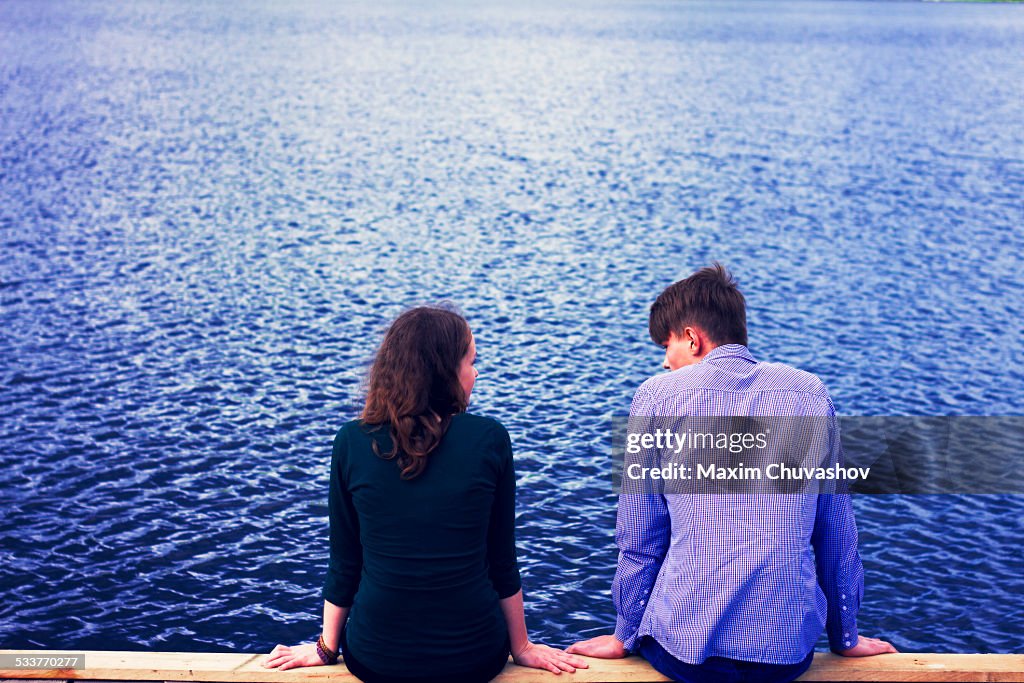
729, 351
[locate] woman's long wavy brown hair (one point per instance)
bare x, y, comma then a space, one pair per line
414, 385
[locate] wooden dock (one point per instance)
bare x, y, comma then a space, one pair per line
245, 668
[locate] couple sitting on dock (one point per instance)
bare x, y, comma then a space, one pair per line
423, 583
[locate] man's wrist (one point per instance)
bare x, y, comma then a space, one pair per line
845, 639
625, 633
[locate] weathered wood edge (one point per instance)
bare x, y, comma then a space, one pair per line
139, 667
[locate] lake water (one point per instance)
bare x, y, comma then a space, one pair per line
209, 213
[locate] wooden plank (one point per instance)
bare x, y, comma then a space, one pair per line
909, 666
628, 670
178, 666
140, 667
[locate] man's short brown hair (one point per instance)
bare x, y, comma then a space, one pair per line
708, 299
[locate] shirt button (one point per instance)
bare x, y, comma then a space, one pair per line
642, 602
846, 635
844, 596
847, 643
844, 608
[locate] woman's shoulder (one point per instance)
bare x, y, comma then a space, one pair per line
347, 428
463, 424
354, 430
479, 422
482, 427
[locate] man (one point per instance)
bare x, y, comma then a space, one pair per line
724, 587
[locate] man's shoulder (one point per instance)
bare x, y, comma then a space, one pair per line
666, 383
762, 376
793, 378
669, 385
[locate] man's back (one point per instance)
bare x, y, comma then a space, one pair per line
733, 575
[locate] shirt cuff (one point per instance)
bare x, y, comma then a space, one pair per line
844, 639
842, 627
626, 633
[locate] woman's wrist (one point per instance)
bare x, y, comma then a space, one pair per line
518, 650
326, 654
334, 623
512, 608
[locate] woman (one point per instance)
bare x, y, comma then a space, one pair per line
423, 583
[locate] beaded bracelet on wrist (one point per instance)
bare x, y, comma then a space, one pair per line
326, 654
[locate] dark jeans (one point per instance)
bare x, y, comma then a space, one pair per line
719, 669
481, 674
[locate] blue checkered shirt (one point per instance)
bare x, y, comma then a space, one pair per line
734, 575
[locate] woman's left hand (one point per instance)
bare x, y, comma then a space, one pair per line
538, 656
283, 657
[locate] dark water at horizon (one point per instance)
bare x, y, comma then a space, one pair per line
209, 212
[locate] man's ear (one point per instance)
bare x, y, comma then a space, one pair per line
694, 340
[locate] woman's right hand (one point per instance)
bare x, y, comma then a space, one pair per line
283, 657
537, 656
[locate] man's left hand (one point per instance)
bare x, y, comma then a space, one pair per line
603, 647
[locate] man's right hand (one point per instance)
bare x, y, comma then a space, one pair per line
866, 647
603, 647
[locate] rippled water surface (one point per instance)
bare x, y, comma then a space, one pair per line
208, 212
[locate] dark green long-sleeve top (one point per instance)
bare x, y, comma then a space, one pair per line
423, 562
